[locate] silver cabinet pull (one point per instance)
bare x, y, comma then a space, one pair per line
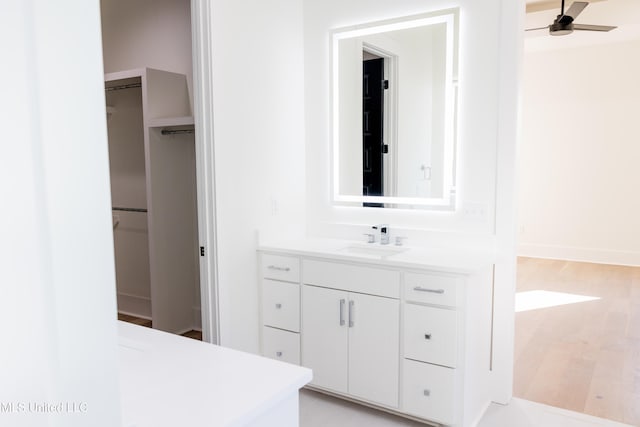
427, 392
279, 353
433, 291
275, 267
278, 305
351, 317
342, 301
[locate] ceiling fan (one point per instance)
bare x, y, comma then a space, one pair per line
563, 24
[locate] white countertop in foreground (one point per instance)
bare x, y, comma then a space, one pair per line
459, 260
169, 380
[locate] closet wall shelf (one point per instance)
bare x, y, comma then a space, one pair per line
167, 122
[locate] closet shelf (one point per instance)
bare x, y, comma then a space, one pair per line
167, 122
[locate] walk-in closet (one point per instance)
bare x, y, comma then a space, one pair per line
152, 162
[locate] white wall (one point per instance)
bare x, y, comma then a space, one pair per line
579, 161
439, 117
58, 307
350, 122
417, 106
490, 37
147, 33
259, 147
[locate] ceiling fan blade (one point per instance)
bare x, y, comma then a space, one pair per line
572, 13
539, 28
585, 27
539, 6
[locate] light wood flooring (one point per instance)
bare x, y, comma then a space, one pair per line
585, 356
196, 335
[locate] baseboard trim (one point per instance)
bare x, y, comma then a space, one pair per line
134, 305
566, 253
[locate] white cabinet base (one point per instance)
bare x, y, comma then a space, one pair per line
411, 340
284, 414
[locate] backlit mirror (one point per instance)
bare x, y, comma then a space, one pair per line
394, 96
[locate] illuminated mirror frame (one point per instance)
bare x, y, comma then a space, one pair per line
450, 17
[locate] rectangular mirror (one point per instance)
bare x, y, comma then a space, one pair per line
394, 96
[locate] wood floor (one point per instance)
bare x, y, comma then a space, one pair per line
196, 335
584, 356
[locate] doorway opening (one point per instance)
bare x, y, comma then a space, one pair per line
379, 85
577, 228
162, 263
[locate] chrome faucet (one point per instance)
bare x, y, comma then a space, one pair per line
384, 233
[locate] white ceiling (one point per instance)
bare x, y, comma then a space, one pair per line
625, 14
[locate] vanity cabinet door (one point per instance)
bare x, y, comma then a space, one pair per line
374, 348
325, 336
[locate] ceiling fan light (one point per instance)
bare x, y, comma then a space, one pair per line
560, 32
558, 29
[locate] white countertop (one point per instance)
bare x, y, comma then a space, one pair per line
459, 260
169, 380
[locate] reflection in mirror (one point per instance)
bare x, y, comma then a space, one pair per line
394, 103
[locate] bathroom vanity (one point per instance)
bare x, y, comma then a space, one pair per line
402, 329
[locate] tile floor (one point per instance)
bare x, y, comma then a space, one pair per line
319, 410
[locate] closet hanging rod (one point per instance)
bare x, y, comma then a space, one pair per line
128, 209
120, 87
176, 131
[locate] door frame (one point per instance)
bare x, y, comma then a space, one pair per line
202, 58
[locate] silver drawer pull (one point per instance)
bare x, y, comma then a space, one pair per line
433, 291
279, 353
427, 336
278, 306
427, 392
275, 267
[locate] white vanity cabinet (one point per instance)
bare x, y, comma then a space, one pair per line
409, 338
351, 342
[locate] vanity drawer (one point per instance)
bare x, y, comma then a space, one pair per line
429, 391
366, 280
281, 305
431, 288
281, 345
281, 267
430, 334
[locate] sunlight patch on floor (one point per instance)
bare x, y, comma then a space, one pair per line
532, 300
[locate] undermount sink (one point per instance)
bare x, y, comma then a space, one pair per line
372, 250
